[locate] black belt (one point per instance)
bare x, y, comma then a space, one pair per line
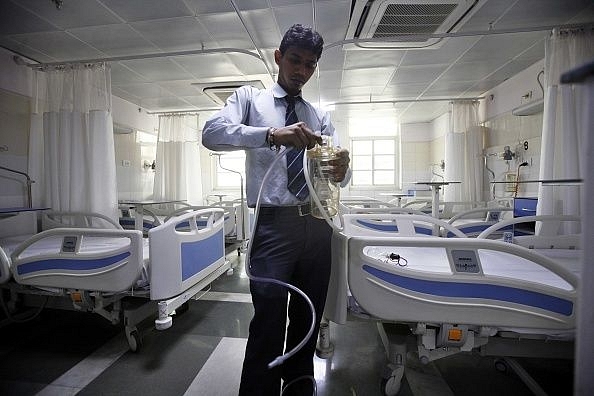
296, 210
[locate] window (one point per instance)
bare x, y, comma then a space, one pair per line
374, 162
225, 164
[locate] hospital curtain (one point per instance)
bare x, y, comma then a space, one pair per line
177, 172
464, 147
563, 113
71, 145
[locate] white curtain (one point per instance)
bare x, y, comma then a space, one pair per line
463, 156
563, 112
177, 172
71, 150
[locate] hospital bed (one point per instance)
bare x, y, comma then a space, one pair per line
115, 273
443, 296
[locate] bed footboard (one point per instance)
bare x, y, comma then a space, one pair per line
79, 258
461, 280
182, 256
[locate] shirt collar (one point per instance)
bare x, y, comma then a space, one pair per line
279, 92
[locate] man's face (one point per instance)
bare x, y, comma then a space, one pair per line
295, 68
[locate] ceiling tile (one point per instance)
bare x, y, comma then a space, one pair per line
263, 28
448, 89
61, 46
510, 69
16, 20
365, 77
357, 59
528, 13
486, 16
72, 14
332, 18
200, 7
201, 101
120, 93
165, 104
208, 65
417, 74
144, 10
176, 34
247, 64
24, 50
451, 49
115, 40
332, 59
181, 87
406, 90
287, 16
227, 30
121, 74
469, 71
158, 69
501, 46
145, 90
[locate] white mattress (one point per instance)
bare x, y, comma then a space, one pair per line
499, 264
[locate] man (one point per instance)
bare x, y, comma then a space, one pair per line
288, 243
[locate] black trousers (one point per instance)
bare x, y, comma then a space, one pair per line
295, 249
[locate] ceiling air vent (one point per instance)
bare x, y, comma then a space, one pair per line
219, 92
406, 20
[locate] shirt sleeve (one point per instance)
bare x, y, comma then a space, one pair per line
227, 130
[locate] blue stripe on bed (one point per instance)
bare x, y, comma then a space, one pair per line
477, 229
391, 227
73, 264
198, 255
476, 290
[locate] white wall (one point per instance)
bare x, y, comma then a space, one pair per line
509, 94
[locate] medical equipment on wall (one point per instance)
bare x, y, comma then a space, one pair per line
518, 178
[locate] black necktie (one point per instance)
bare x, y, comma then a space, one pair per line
295, 177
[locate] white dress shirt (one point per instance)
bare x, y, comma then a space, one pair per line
243, 125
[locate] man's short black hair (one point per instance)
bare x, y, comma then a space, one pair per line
302, 37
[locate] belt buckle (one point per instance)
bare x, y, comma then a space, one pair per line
300, 210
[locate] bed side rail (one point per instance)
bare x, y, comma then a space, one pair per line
387, 224
547, 238
57, 219
488, 214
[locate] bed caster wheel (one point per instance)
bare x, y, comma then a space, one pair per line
134, 340
500, 365
391, 385
163, 323
324, 348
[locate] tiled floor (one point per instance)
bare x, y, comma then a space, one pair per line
66, 353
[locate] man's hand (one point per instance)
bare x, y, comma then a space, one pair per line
298, 135
340, 165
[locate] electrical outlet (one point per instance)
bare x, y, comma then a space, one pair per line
125, 163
